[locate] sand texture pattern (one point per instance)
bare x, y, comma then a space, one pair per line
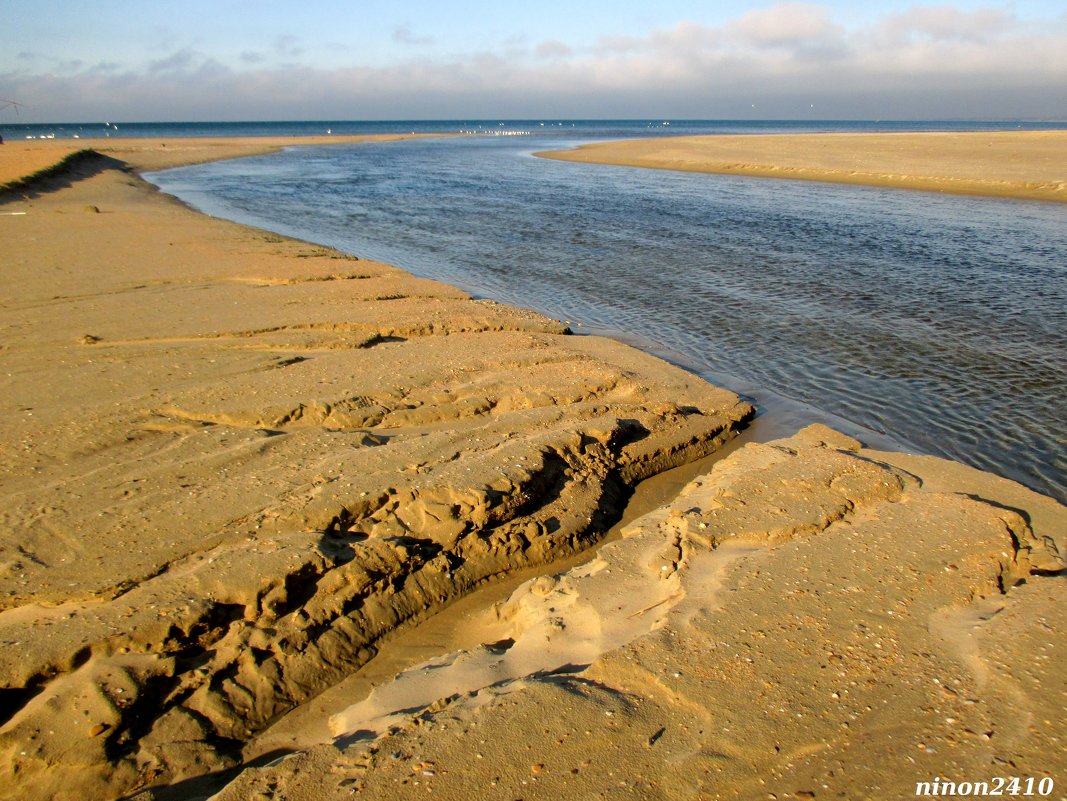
809, 620
1019, 164
232, 462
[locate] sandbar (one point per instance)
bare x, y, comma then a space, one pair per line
1029, 165
26, 160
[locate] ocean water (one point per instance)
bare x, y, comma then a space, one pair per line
605, 129
931, 323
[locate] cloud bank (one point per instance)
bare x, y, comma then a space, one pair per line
790, 60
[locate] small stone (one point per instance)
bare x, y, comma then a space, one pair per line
536, 769
98, 729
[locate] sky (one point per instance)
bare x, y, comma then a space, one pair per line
165, 60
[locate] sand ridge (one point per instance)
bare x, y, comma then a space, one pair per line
1012, 164
20, 159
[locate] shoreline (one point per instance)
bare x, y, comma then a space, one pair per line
1024, 165
997, 421
244, 459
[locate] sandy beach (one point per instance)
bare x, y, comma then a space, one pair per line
235, 463
1018, 164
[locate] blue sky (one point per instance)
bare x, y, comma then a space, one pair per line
324, 59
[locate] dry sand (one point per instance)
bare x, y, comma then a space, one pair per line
1021, 164
234, 462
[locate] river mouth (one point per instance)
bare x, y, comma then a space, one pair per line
934, 323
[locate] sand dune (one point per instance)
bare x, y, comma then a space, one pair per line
21, 159
1020, 164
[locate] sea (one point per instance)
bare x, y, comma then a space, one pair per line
914, 321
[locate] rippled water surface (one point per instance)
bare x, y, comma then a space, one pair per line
937, 321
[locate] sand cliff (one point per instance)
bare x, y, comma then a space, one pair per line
809, 620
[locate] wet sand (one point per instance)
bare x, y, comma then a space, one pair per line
1021, 164
235, 462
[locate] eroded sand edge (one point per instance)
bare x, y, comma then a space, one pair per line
809, 620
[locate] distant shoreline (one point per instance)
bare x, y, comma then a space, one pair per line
1019, 164
21, 160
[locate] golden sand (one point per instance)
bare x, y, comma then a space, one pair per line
1023, 164
22, 158
234, 461
810, 619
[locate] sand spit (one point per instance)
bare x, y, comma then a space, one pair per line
23, 162
808, 620
1018, 164
233, 461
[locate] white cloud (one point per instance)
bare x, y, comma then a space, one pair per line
930, 61
946, 23
404, 34
553, 49
287, 45
786, 25
178, 61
